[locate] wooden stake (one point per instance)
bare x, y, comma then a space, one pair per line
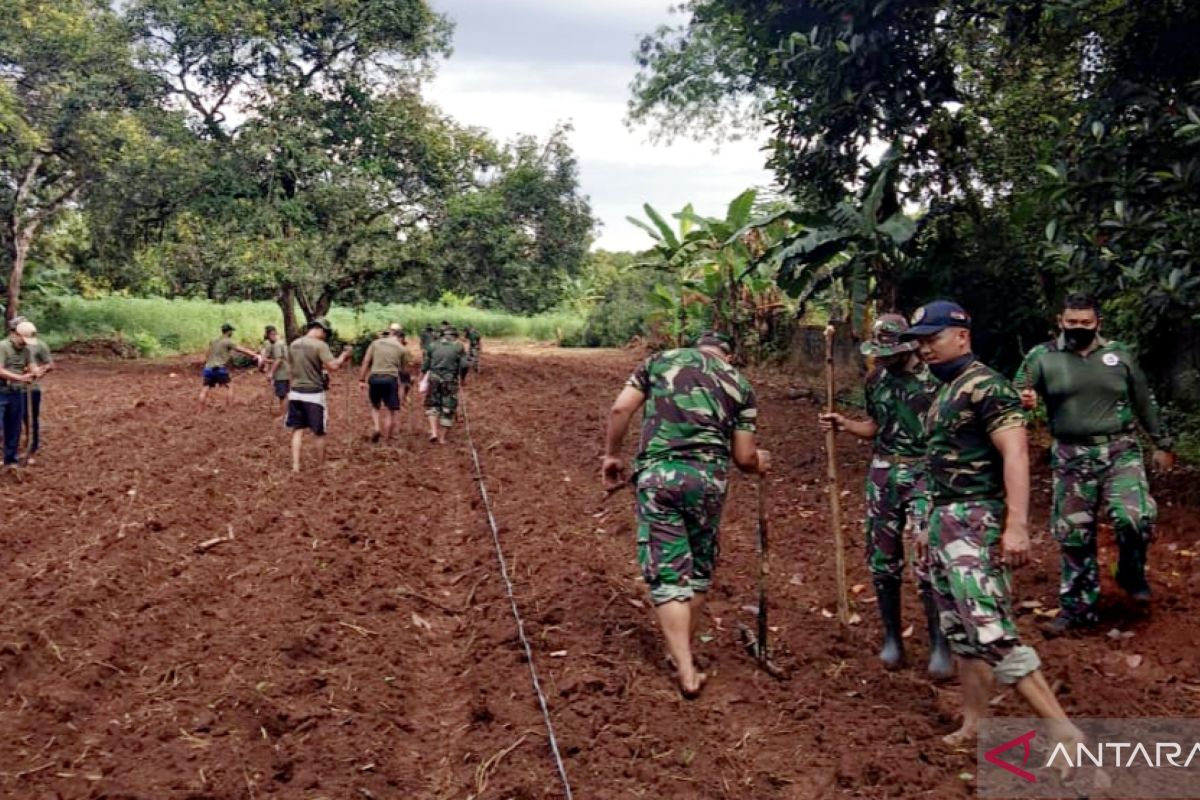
835, 495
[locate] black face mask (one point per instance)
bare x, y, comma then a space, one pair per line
1079, 338
948, 370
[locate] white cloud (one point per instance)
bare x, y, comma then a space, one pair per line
508, 74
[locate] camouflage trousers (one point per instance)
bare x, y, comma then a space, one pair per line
1107, 478
897, 501
973, 589
442, 399
678, 516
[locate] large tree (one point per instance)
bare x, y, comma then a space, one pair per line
69, 95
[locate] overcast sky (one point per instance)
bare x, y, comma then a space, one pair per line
521, 66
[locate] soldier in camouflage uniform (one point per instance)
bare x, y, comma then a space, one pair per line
1095, 395
443, 363
898, 392
700, 411
977, 463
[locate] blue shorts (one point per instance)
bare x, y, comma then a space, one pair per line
216, 376
281, 388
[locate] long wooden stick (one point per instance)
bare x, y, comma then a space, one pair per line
835, 495
764, 569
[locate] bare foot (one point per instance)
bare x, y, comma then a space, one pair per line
691, 690
963, 737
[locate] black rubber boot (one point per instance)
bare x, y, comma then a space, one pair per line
887, 591
941, 663
1131, 572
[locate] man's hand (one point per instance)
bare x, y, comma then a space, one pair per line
921, 543
831, 421
612, 471
1163, 460
1014, 544
764, 461
1029, 399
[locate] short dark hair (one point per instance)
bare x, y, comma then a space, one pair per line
1080, 301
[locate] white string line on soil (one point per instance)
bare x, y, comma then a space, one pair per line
537, 685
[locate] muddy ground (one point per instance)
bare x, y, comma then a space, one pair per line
353, 639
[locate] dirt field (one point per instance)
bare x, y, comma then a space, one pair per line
353, 639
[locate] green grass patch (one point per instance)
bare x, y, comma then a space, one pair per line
158, 326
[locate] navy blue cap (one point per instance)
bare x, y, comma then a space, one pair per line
935, 317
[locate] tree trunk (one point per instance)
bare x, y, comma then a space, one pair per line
18, 252
287, 304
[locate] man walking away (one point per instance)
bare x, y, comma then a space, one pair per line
699, 411
386, 359
308, 406
442, 365
1095, 396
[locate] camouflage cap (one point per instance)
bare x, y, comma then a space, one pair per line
885, 337
322, 323
714, 339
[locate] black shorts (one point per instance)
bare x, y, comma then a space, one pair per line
406, 379
281, 388
301, 415
383, 390
216, 376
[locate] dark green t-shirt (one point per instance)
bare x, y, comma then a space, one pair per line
897, 402
962, 462
1101, 394
308, 356
445, 358
220, 352
694, 403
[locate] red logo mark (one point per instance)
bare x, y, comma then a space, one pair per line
992, 756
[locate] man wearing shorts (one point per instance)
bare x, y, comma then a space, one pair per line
385, 361
216, 366
310, 358
699, 411
275, 363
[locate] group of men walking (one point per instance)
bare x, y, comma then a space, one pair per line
949, 472
298, 375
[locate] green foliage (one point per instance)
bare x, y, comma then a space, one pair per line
167, 326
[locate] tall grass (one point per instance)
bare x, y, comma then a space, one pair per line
158, 326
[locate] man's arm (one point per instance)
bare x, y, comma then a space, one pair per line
16, 377
627, 404
747, 455
1148, 415
249, 353
1013, 445
863, 429
337, 363
366, 365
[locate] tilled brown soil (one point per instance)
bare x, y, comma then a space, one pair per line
353, 638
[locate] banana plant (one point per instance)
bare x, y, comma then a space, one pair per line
857, 245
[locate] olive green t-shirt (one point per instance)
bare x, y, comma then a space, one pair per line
15, 358
277, 351
388, 357
445, 358
220, 352
308, 357
39, 354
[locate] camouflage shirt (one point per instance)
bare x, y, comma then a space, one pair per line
694, 403
963, 463
445, 358
898, 402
